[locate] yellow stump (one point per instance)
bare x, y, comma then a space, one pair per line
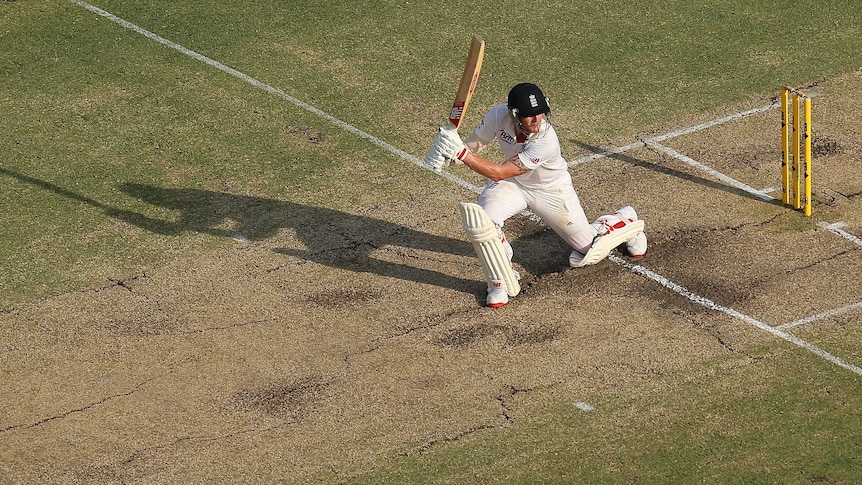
807, 154
796, 150
785, 145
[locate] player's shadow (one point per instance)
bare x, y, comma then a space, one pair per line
330, 237
333, 238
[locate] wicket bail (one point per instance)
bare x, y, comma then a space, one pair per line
796, 150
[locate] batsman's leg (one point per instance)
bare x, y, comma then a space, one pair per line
493, 255
613, 230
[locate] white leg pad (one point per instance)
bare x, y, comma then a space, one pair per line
603, 245
482, 232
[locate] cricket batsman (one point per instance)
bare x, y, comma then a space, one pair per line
533, 175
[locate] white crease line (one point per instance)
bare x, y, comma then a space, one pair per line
674, 134
606, 153
820, 316
272, 90
735, 314
716, 122
836, 229
715, 173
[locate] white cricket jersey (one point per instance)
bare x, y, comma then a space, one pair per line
540, 154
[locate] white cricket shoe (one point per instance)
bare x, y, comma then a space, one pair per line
611, 231
627, 214
576, 259
497, 297
637, 246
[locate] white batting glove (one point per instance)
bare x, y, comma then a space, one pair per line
451, 144
435, 159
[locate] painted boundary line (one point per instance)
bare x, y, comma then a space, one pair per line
654, 141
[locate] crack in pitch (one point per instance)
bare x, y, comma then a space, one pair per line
427, 446
508, 392
80, 409
143, 453
125, 284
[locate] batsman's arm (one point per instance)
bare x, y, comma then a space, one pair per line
495, 171
450, 146
475, 144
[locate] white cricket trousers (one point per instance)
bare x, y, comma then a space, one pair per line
558, 207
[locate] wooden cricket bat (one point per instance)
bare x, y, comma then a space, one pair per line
468, 81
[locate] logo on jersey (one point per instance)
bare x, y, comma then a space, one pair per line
507, 137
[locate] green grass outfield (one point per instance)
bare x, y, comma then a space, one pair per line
90, 110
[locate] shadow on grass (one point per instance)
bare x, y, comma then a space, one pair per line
332, 238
